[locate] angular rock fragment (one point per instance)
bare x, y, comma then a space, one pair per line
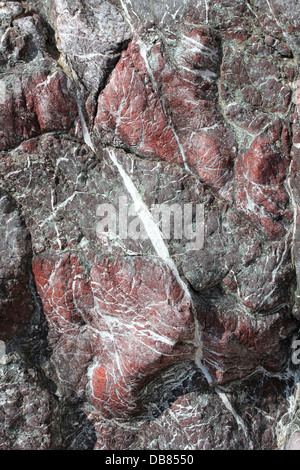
141, 110
140, 318
263, 85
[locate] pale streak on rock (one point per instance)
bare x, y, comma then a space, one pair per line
119, 313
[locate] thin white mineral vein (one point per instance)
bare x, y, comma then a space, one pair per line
162, 251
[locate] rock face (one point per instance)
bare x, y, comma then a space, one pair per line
149, 237
16, 299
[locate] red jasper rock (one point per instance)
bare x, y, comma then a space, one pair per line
260, 180
227, 335
40, 98
151, 319
39, 103
146, 313
16, 300
171, 115
61, 284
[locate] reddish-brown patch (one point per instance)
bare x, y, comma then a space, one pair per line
99, 380
65, 294
147, 114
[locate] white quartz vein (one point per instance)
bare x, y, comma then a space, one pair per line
146, 217
159, 245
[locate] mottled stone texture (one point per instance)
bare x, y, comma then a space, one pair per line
143, 340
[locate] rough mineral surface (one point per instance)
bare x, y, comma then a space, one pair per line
121, 329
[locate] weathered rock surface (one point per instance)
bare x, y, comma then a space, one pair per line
26, 410
16, 301
124, 330
36, 96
